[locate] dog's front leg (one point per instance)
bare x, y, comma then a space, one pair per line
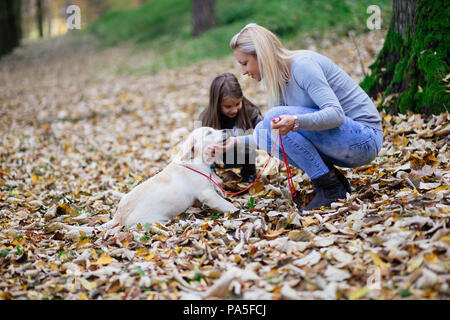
214, 201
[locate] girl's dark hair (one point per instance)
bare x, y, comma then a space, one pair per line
223, 86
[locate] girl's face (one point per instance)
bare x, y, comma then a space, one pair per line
231, 106
249, 64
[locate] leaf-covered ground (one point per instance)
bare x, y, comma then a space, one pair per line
75, 136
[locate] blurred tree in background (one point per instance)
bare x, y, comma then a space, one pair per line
40, 18
10, 25
203, 16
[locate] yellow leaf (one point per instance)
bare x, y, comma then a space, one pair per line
442, 188
141, 252
83, 297
376, 259
258, 187
53, 266
431, 258
399, 140
358, 293
5, 295
309, 221
444, 209
104, 259
150, 256
387, 118
36, 179
414, 263
64, 208
88, 285
83, 242
445, 239
271, 194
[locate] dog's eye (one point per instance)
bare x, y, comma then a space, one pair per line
208, 133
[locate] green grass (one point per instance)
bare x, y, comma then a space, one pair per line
165, 26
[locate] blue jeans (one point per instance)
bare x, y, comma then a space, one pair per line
350, 145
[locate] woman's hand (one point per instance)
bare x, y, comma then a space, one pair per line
283, 124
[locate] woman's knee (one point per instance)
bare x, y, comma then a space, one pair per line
273, 113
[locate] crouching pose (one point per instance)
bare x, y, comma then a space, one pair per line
324, 117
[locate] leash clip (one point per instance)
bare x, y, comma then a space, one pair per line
276, 120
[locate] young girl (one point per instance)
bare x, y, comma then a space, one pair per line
229, 109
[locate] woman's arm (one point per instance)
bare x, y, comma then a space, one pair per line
309, 76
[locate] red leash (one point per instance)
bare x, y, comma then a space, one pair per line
288, 171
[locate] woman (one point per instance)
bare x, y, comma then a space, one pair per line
323, 116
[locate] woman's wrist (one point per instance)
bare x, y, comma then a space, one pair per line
296, 125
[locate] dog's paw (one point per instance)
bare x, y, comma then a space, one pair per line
232, 209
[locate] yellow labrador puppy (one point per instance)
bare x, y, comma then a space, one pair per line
176, 188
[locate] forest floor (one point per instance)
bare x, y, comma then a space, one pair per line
77, 132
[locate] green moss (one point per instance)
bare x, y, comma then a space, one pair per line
399, 72
415, 66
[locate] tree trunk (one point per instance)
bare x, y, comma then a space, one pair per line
48, 14
411, 70
40, 18
203, 15
10, 25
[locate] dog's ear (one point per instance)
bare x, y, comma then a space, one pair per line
188, 150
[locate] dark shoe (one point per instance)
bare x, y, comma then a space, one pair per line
328, 188
248, 173
298, 200
341, 177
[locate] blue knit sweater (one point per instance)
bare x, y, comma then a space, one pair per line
316, 82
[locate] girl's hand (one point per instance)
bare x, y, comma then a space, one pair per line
283, 124
222, 148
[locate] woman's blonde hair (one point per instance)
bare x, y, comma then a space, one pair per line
273, 58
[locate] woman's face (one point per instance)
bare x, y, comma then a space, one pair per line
230, 106
249, 64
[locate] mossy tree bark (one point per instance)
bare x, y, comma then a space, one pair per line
412, 70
